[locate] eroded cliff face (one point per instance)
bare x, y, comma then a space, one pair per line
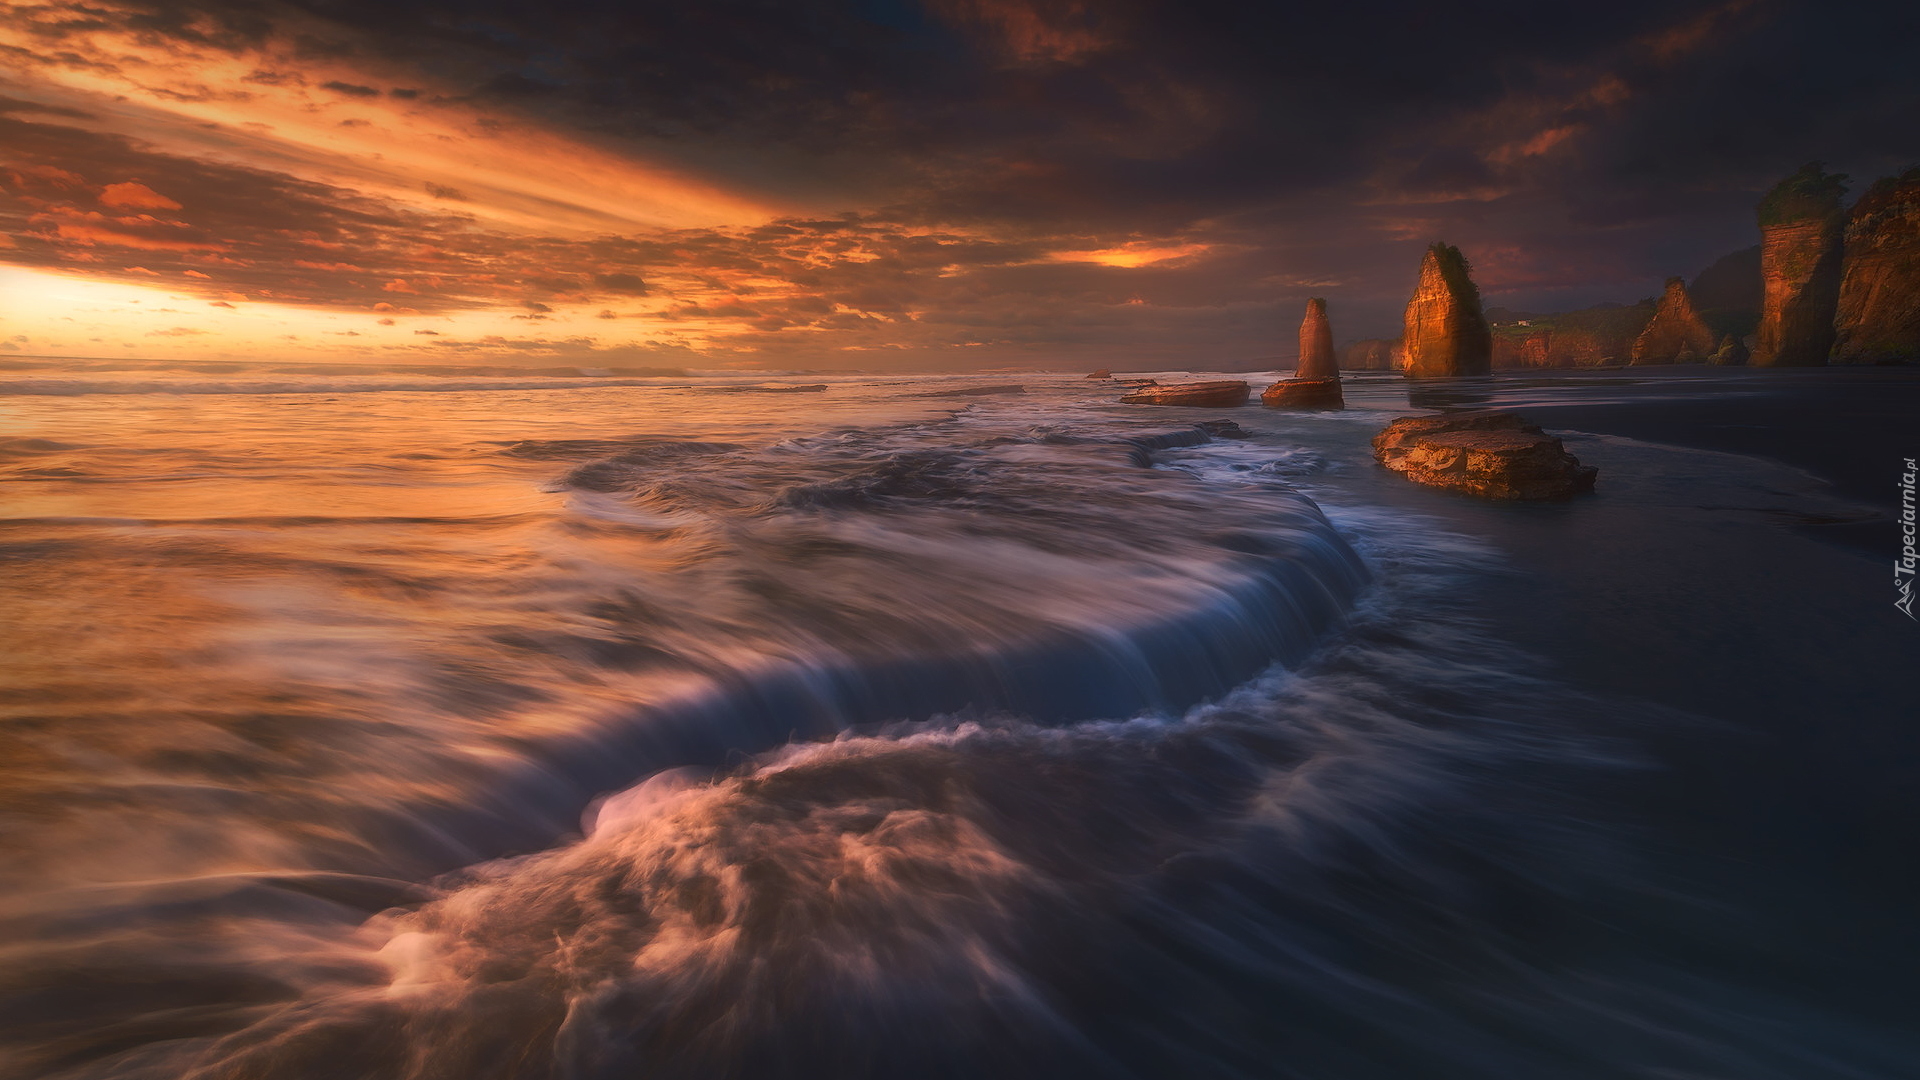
1447, 333
1878, 311
1676, 333
1801, 231
1599, 336
1545, 347
1316, 344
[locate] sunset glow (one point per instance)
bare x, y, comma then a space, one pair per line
324, 187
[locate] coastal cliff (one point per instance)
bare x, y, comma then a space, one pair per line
1446, 331
1878, 312
1599, 336
1801, 230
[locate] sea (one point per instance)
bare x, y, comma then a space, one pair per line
473, 724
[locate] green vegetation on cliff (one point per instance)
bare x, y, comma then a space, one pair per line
1883, 190
1806, 195
1610, 327
1455, 271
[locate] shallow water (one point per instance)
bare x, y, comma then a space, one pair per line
415, 725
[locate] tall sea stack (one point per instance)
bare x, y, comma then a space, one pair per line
1879, 311
1316, 378
1801, 229
1316, 344
1447, 333
1676, 330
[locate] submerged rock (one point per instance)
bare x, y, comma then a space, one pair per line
1878, 315
1224, 429
1492, 454
1447, 333
1675, 331
1211, 395
1733, 352
1800, 252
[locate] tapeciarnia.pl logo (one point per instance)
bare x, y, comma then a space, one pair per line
1903, 566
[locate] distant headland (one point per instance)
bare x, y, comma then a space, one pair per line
1825, 285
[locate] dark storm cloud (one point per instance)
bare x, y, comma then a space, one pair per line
1311, 148
1115, 102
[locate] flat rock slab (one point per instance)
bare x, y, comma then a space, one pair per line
1304, 394
1211, 395
1492, 454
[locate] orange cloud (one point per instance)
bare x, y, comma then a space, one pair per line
91, 234
1134, 255
135, 195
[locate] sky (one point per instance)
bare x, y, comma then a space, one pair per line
880, 185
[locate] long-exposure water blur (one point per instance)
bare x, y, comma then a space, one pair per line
471, 726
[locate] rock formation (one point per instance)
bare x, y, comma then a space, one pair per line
1316, 381
1801, 230
1374, 354
1316, 344
1304, 394
1879, 307
1447, 333
1103, 373
1733, 352
1212, 395
1676, 330
1492, 454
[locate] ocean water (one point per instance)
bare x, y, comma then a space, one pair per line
465, 723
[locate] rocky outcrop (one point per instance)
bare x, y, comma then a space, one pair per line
1304, 394
1374, 354
1210, 395
1878, 316
1103, 373
1447, 333
1732, 352
1801, 233
1675, 331
1316, 344
1492, 454
1316, 381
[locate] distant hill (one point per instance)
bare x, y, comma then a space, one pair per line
1727, 294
